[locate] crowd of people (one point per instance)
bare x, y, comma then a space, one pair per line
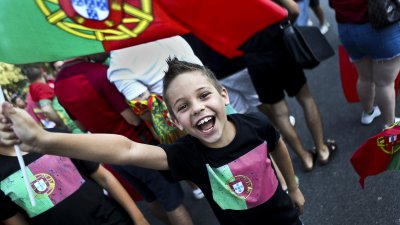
175, 110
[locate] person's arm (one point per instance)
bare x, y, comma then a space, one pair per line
130, 117
109, 148
17, 219
282, 159
105, 179
50, 113
292, 8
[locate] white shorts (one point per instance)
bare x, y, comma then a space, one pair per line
242, 95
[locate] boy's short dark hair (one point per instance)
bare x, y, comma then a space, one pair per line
177, 67
32, 72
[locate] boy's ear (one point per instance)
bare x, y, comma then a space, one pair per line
224, 94
177, 124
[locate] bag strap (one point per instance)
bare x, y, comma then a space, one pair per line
286, 23
397, 2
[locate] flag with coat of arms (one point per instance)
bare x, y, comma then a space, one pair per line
50, 30
378, 154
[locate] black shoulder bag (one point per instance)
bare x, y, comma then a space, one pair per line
306, 44
382, 13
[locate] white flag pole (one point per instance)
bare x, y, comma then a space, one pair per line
21, 162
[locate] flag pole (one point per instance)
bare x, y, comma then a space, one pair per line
21, 162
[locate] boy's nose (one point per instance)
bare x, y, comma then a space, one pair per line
198, 109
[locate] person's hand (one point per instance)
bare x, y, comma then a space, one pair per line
23, 125
7, 135
297, 199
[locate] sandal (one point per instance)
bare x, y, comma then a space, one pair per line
332, 148
314, 156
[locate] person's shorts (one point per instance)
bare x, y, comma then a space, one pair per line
362, 40
270, 66
314, 3
152, 186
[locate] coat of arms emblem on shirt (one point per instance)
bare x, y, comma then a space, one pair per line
241, 185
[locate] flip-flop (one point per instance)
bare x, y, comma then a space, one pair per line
332, 147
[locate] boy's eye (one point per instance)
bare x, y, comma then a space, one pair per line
204, 95
182, 107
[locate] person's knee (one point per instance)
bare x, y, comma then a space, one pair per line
276, 110
180, 216
384, 83
304, 95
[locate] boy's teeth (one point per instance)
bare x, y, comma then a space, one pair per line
205, 120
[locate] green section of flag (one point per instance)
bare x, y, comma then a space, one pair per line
14, 187
26, 35
222, 194
395, 163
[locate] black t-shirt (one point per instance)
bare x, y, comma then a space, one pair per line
238, 180
64, 192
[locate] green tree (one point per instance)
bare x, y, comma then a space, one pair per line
11, 79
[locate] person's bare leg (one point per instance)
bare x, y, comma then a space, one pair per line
384, 75
279, 116
365, 84
180, 216
313, 121
158, 211
319, 13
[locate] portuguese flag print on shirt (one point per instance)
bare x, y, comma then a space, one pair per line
244, 183
53, 179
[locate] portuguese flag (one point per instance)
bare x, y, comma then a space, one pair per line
49, 30
378, 154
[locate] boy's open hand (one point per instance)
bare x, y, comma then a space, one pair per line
24, 127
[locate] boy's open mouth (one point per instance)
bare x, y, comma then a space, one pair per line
206, 123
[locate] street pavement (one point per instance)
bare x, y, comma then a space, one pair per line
332, 192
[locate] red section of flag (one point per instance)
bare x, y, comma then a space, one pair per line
224, 24
162, 26
349, 77
374, 156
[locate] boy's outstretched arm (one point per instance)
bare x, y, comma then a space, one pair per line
282, 159
110, 148
107, 180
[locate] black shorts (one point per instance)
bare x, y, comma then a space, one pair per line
270, 66
152, 186
314, 3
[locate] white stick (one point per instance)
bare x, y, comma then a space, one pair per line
21, 162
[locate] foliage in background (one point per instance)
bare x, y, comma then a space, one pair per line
12, 80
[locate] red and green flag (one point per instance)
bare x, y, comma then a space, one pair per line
378, 154
49, 30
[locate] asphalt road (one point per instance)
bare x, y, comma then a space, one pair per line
333, 195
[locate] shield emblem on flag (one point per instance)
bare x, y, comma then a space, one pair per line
241, 185
238, 187
44, 184
92, 9
102, 20
40, 185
